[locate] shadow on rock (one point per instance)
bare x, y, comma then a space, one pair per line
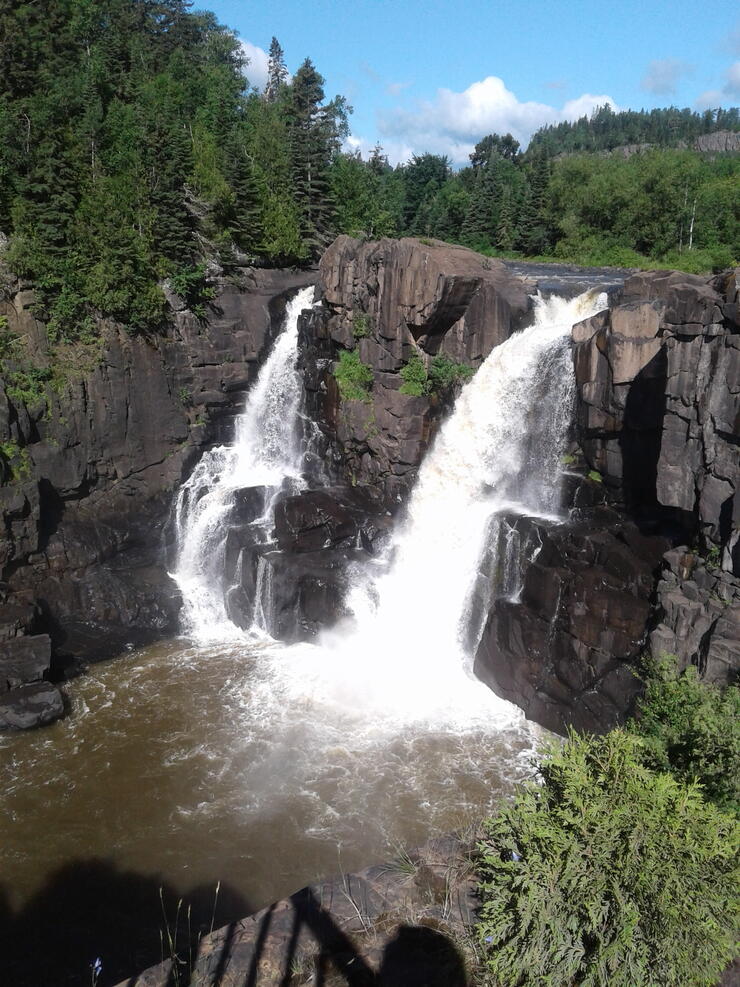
421, 957
90, 910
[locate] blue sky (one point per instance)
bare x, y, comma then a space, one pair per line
438, 75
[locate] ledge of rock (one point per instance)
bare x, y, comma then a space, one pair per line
394, 924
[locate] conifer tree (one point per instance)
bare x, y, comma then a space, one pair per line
277, 72
314, 133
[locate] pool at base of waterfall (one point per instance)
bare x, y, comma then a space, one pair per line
191, 766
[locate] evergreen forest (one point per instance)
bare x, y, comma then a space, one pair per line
133, 149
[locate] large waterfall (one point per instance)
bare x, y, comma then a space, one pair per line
500, 452
416, 610
266, 453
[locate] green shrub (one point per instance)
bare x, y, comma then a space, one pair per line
441, 378
415, 381
595, 476
607, 875
354, 378
445, 374
16, 460
191, 284
361, 325
691, 729
28, 385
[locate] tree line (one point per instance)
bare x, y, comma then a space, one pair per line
133, 149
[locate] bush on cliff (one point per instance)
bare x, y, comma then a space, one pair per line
607, 874
354, 378
692, 729
442, 377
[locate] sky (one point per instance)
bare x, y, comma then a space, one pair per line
437, 75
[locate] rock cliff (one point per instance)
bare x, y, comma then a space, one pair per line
90, 465
652, 565
392, 300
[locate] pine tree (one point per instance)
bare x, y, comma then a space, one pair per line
312, 139
277, 72
506, 229
533, 228
481, 218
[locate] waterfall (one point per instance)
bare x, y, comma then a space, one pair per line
499, 453
419, 609
266, 454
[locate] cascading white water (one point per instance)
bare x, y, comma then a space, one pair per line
406, 654
266, 452
499, 451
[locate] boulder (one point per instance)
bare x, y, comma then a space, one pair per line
24, 659
31, 705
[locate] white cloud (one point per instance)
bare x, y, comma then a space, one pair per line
395, 151
256, 69
663, 74
394, 88
731, 90
455, 121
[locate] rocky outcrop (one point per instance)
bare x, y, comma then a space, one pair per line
657, 433
91, 463
659, 417
659, 401
562, 647
391, 300
698, 616
399, 923
294, 580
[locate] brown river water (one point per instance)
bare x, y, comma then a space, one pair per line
183, 767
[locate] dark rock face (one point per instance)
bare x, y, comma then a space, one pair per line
698, 616
391, 300
82, 521
562, 647
659, 415
659, 400
295, 583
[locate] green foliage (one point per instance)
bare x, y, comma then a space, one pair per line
446, 374
664, 206
415, 378
354, 378
191, 284
15, 461
132, 149
362, 325
606, 129
595, 476
441, 378
713, 557
692, 729
607, 875
27, 386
